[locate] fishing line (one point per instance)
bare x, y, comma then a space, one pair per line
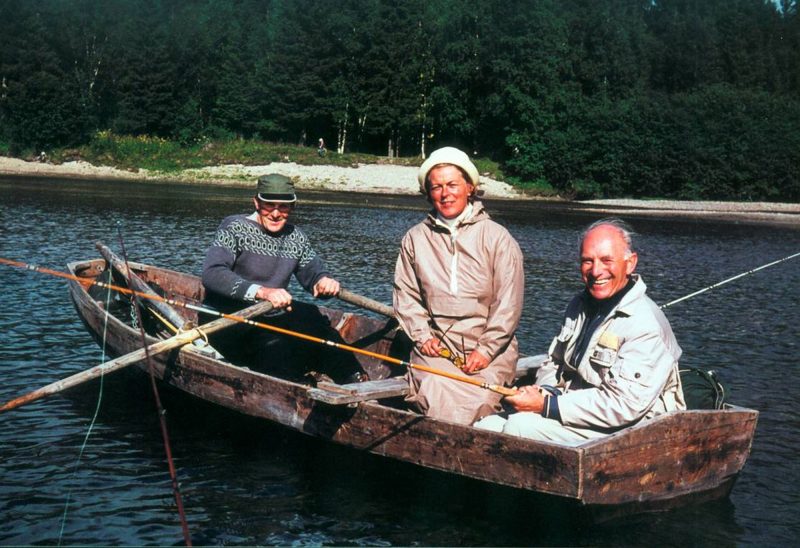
94, 417
162, 418
723, 282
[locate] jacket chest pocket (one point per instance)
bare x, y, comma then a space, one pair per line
604, 355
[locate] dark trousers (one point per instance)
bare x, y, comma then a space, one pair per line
286, 356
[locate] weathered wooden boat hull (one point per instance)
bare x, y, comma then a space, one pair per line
691, 455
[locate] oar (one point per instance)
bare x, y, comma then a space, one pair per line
116, 364
170, 316
365, 302
493, 387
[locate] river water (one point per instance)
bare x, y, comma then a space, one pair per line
245, 482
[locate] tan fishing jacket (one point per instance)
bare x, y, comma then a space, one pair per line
628, 372
466, 286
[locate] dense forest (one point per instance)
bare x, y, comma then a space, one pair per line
672, 98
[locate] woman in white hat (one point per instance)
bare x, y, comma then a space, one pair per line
458, 293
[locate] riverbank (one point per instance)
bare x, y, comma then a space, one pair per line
387, 181
364, 178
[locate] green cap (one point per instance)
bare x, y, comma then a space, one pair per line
275, 188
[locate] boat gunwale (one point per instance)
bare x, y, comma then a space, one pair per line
578, 455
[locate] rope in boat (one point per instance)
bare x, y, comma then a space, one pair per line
94, 417
88, 282
723, 282
162, 415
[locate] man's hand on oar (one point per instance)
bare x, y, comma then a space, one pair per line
194, 334
326, 287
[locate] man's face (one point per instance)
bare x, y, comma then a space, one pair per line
606, 262
272, 216
449, 192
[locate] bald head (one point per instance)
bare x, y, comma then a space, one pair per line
624, 229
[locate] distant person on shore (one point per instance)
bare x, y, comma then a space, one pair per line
321, 147
252, 258
615, 361
458, 292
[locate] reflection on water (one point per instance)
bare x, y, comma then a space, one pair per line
245, 482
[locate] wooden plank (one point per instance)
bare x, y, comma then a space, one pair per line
670, 455
382, 430
527, 365
164, 313
342, 394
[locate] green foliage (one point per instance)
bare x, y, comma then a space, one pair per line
155, 153
141, 151
489, 168
537, 187
584, 98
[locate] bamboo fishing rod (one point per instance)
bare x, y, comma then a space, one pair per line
86, 282
160, 411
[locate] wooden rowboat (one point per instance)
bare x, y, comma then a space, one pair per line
671, 460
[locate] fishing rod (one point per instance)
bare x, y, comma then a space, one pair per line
87, 282
162, 415
723, 282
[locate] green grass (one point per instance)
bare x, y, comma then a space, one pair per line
156, 154
533, 188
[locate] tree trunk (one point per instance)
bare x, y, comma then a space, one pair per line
341, 140
362, 122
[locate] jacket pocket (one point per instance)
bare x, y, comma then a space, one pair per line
635, 372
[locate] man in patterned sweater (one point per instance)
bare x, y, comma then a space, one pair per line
253, 258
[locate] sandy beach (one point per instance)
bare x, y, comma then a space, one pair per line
400, 181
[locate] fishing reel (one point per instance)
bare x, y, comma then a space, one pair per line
455, 359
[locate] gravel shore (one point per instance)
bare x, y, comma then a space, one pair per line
390, 180
375, 178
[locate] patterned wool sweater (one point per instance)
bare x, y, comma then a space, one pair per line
244, 256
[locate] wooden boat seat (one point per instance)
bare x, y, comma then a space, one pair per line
393, 387
341, 394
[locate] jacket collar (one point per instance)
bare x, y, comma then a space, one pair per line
478, 214
625, 306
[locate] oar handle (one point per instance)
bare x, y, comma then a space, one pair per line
366, 303
242, 318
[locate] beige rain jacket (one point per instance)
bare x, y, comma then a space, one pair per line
468, 285
628, 372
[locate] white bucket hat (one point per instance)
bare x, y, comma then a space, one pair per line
447, 155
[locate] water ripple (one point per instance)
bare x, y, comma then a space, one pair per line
249, 483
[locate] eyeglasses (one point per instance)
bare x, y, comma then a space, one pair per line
269, 207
